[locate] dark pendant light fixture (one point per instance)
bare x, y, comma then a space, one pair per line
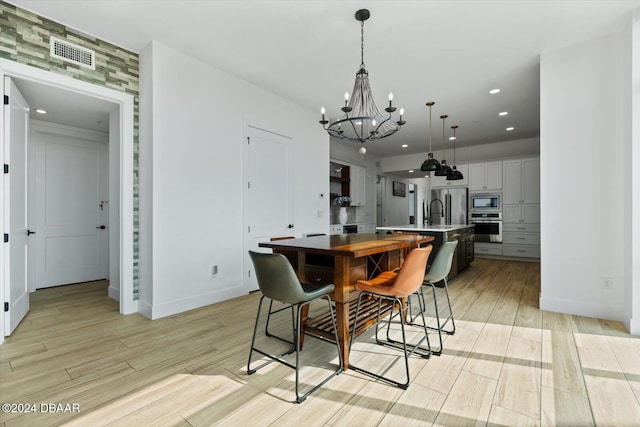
430, 164
455, 173
445, 169
363, 121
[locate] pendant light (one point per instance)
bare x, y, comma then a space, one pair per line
455, 173
430, 164
445, 170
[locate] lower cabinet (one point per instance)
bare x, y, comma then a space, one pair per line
521, 240
488, 248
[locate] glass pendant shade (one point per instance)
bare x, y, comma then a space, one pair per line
430, 164
455, 174
445, 169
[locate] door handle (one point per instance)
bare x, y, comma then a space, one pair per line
29, 232
102, 227
290, 226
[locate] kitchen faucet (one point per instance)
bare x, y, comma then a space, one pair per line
431, 209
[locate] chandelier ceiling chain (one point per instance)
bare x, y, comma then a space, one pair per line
363, 121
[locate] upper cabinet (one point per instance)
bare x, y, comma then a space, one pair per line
522, 181
485, 176
348, 180
358, 185
441, 181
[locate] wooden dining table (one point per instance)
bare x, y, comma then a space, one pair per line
343, 260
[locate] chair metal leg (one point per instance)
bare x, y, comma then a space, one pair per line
302, 398
453, 323
253, 341
407, 350
293, 322
295, 345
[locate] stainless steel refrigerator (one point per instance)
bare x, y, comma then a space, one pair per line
449, 206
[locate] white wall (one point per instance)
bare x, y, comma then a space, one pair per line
582, 179
192, 155
632, 174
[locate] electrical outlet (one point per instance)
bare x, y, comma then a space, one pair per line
214, 271
607, 282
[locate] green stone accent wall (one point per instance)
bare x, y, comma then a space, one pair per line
24, 38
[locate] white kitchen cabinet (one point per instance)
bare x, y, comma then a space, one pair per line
521, 181
366, 228
441, 181
488, 249
521, 214
521, 239
485, 176
336, 229
358, 185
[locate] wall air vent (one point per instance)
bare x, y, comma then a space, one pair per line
70, 52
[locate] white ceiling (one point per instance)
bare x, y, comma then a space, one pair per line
451, 52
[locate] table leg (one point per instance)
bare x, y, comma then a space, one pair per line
341, 299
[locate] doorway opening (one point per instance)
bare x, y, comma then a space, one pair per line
120, 182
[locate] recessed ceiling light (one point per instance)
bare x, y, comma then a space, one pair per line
494, 91
451, 138
510, 128
41, 111
503, 113
404, 145
410, 170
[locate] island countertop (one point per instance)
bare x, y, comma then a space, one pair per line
425, 228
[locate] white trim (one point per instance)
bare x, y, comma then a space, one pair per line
580, 308
126, 112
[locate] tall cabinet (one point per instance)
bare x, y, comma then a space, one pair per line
521, 208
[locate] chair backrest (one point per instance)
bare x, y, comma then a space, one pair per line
411, 273
276, 278
442, 262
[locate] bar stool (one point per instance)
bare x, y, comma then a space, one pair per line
394, 289
436, 277
278, 282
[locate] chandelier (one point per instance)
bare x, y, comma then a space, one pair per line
363, 121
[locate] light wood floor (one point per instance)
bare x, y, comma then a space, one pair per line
508, 364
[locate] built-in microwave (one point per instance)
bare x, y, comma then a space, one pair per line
485, 203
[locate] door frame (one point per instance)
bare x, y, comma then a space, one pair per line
120, 164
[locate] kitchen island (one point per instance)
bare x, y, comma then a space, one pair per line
463, 233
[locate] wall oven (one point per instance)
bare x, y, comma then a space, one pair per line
485, 203
488, 226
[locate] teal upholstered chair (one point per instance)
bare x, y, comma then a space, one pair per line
436, 277
278, 282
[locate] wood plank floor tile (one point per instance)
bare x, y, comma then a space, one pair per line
506, 358
613, 402
468, 402
561, 364
500, 417
560, 408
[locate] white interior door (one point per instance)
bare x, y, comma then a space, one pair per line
16, 121
268, 195
71, 208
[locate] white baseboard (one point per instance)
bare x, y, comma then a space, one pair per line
634, 327
158, 311
113, 293
580, 308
